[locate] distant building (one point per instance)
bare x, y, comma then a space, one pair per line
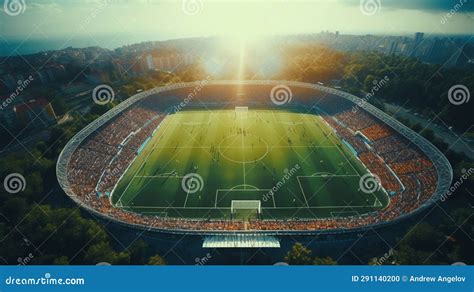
466, 55
150, 65
38, 110
416, 43
418, 37
8, 117
393, 48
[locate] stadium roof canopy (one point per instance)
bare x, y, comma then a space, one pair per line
240, 241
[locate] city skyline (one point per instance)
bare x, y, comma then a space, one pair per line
160, 20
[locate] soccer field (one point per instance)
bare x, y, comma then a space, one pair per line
199, 161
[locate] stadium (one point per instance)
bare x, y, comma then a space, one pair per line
230, 160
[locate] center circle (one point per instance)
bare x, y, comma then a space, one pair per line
243, 148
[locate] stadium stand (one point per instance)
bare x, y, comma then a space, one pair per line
98, 163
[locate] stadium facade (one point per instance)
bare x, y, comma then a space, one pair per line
240, 93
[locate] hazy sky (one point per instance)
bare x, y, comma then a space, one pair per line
158, 19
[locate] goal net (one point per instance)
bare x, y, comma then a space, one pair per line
245, 209
242, 111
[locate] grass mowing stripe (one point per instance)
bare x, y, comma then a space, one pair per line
233, 151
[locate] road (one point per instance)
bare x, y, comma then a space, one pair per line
457, 142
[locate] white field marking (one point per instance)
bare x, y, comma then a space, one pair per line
169, 123
210, 116
375, 202
241, 147
163, 121
330, 175
273, 199
347, 161
243, 152
349, 175
301, 158
294, 123
156, 213
355, 170
342, 152
144, 160
252, 187
193, 138
297, 154
279, 121
341, 212
321, 124
304, 117
301, 188
162, 134
291, 147
159, 175
263, 208
290, 123
238, 190
171, 207
120, 178
164, 174
186, 200
207, 147
303, 146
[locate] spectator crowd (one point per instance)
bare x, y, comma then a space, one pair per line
405, 172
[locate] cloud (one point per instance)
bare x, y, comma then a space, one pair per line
422, 5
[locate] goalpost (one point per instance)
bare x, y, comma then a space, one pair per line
245, 209
242, 111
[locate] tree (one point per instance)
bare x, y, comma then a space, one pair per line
298, 255
324, 261
63, 260
156, 260
420, 246
102, 252
62, 232
137, 252
14, 209
59, 105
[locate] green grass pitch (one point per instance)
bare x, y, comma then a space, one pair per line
242, 155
